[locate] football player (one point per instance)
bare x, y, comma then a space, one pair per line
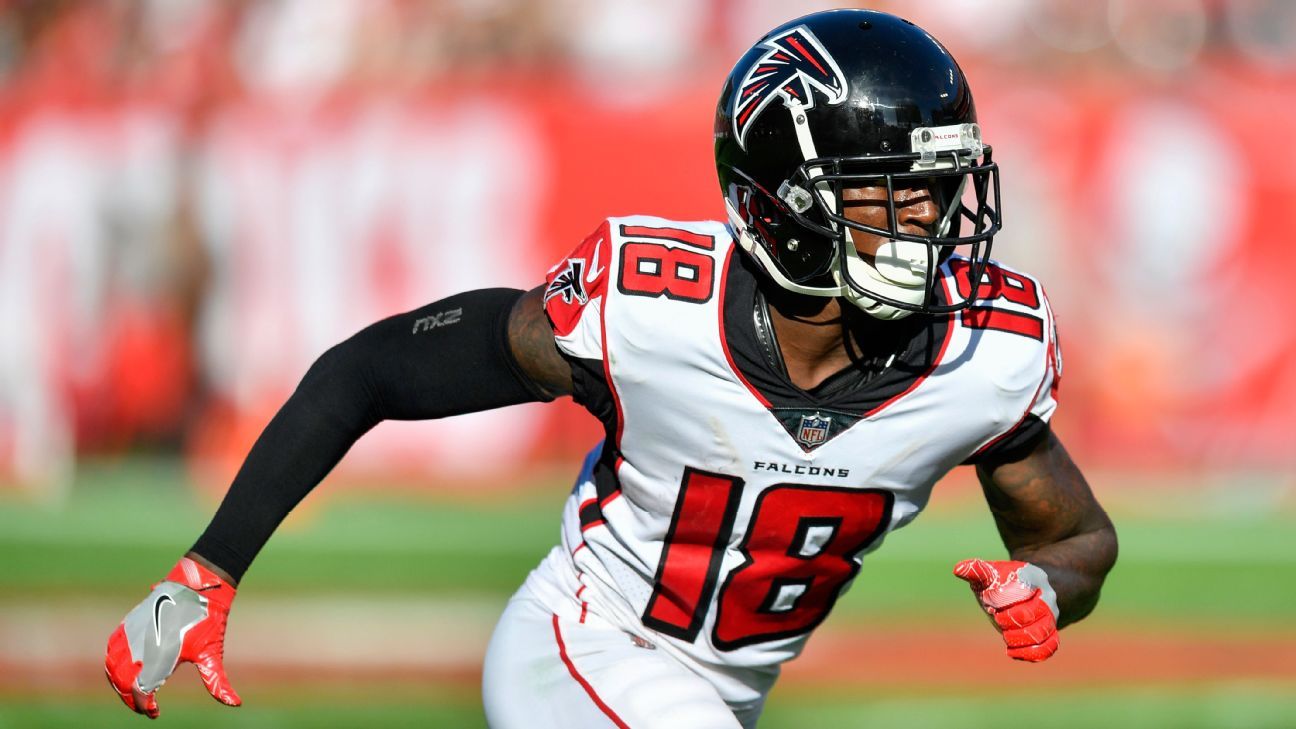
779, 391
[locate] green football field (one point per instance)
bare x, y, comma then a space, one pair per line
1197, 627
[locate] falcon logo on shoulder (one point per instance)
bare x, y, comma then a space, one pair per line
795, 66
569, 284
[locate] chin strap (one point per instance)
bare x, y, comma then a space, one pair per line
851, 268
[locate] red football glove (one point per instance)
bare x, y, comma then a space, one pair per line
1017, 596
183, 619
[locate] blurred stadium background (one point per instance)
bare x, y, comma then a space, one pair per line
197, 197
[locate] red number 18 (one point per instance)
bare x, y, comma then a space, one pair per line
656, 269
799, 551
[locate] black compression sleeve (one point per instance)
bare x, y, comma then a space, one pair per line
446, 358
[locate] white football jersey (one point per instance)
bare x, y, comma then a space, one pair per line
719, 523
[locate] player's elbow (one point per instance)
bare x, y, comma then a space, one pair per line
1108, 548
1105, 547
1101, 548
337, 388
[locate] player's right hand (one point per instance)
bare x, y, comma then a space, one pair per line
183, 619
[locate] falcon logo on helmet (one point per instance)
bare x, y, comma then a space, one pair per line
794, 67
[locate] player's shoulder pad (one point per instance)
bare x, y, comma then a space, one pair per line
610, 260
700, 236
1007, 301
1012, 342
574, 289
651, 226
1013, 317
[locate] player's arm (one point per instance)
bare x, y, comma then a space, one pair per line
1060, 541
471, 352
380, 374
1048, 516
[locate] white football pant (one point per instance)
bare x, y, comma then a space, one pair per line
565, 669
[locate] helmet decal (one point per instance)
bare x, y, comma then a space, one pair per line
795, 65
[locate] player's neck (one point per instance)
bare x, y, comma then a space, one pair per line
812, 337
819, 337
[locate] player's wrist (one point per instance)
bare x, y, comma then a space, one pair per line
209, 567
193, 574
1035, 576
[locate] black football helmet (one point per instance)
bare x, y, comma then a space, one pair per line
849, 99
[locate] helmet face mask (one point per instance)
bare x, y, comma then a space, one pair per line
896, 114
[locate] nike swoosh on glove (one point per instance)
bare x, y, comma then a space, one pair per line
182, 619
1020, 601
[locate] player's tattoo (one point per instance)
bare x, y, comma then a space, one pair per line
532, 339
1048, 516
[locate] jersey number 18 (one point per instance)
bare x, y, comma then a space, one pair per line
799, 551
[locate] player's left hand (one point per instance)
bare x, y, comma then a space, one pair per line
1020, 601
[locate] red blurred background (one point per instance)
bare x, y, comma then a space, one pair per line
197, 197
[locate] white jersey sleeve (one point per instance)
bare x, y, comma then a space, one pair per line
1011, 308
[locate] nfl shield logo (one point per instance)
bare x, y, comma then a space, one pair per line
813, 430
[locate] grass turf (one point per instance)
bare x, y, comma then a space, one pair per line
1241, 706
